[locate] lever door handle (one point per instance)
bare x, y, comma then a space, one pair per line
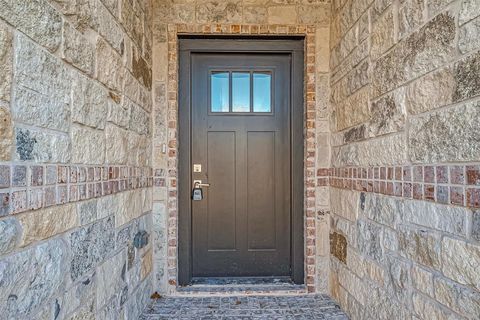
199, 184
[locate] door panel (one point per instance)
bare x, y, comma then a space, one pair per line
261, 190
221, 195
242, 227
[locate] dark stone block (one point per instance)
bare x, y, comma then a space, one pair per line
25, 144
141, 239
368, 239
354, 134
476, 225
338, 246
467, 77
362, 200
142, 71
91, 245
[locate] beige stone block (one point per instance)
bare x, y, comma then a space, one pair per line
6, 62
88, 145
254, 14
132, 208
322, 240
469, 36
116, 144
147, 201
110, 278
35, 18
323, 156
282, 15
147, 264
160, 54
109, 66
90, 102
110, 205
461, 262
387, 150
314, 14
447, 135
77, 49
6, 135
228, 11
422, 280
322, 196
382, 35
461, 299
354, 285
437, 216
353, 110
428, 309
432, 91
46, 223
375, 272
469, 10
345, 203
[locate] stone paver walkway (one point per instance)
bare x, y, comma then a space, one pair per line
245, 307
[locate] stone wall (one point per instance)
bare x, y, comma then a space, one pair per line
309, 18
75, 152
405, 86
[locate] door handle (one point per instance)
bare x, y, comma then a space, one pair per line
199, 184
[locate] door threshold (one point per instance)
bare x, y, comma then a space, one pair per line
242, 286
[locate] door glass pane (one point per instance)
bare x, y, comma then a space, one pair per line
262, 92
241, 92
220, 92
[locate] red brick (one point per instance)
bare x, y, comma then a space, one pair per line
36, 176
473, 175
50, 197
4, 177
4, 203
442, 194
398, 173
407, 190
457, 195
73, 174
407, 173
417, 191
383, 173
457, 175
429, 192
442, 174
390, 173
418, 174
429, 174
473, 197
397, 189
19, 201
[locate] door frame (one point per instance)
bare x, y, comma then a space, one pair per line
220, 44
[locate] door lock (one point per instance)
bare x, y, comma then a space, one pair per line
197, 192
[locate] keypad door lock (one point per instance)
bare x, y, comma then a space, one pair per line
197, 192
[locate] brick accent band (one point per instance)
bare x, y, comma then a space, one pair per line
446, 184
30, 187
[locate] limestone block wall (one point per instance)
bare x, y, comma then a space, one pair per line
309, 18
75, 158
405, 196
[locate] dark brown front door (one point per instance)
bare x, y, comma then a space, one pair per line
240, 145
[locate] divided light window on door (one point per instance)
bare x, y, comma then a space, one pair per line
241, 92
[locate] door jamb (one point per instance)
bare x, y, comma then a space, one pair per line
295, 47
